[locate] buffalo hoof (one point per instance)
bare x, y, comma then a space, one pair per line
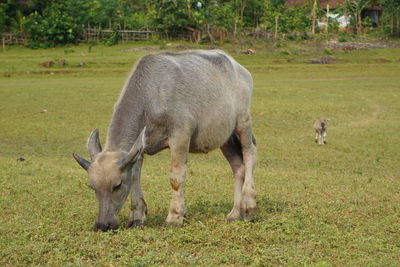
249, 214
234, 215
135, 223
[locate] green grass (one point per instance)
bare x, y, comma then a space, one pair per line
330, 205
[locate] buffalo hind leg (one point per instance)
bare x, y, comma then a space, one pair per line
179, 146
232, 151
137, 217
248, 201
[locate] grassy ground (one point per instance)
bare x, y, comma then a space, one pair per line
337, 204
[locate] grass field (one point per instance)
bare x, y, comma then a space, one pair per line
330, 205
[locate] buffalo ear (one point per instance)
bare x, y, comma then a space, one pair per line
83, 162
93, 144
135, 152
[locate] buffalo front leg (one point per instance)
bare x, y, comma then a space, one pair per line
248, 201
137, 217
232, 151
320, 138
179, 149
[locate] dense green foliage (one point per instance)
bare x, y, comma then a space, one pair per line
49, 23
294, 19
391, 16
59, 24
332, 205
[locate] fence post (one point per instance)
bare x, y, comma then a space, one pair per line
4, 43
276, 26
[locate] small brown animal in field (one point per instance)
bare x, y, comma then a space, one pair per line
81, 64
48, 64
63, 62
321, 130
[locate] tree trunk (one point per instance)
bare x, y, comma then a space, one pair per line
392, 28
314, 16
235, 28
242, 7
210, 35
327, 18
188, 8
359, 23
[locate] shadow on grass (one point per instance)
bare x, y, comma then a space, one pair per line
204, 207
202, 210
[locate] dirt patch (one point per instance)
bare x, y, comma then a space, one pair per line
144, 48
323, 60
51, 72
382, 60
348, 46
47, 64
265, 68
179, 46
278, 61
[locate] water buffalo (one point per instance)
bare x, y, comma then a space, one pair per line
321, 130
193, 101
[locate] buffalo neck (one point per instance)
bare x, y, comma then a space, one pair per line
127, 120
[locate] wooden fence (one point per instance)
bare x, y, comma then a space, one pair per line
88, 35
98, 35
12, 38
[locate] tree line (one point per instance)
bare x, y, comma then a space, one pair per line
52, 22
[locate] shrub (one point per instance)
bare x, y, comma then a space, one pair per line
328, 51
342, 39
55, 26
112, 38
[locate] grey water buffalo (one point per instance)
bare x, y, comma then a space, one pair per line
321, 130
194, 101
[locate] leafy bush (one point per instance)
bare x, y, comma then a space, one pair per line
55, 26
3, 17
328, 51
54, 22
367, 22
294, 19
112, 38
342, 39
